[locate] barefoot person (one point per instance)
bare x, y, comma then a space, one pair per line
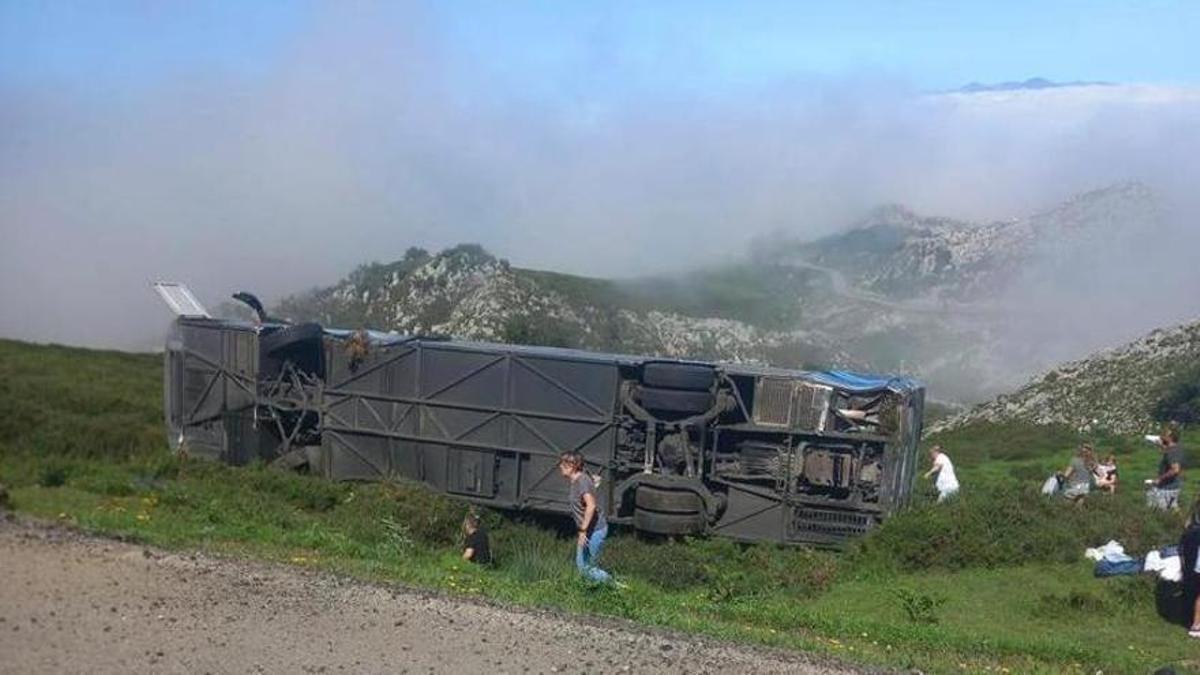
590, 524
946, 482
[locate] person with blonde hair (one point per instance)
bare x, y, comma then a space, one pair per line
590, 523
1077, 477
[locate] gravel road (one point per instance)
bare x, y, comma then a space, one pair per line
74, 603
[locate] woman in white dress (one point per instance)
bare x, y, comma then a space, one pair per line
946, 482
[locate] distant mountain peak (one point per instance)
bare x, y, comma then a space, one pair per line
1102, 211
898, 215
890, 212
1031, 84
898, 253
1124, 190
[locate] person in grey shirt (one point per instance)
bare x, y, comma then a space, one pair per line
1162, 492
591, 526
1078, 474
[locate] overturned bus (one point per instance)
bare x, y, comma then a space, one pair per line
682, 447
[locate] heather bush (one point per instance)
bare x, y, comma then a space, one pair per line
1003, 525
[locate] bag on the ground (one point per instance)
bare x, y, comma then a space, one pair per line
1051, 486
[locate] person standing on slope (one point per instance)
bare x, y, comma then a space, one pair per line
1162, 491
591, 526
946, 482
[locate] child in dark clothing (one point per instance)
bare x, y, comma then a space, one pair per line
476, 546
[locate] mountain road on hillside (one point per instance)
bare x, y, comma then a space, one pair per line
842, 288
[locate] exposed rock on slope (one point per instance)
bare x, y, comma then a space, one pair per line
899, 254
941, 299
470, 294
1116, 388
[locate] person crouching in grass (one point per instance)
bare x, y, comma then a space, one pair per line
476, 547
590, 523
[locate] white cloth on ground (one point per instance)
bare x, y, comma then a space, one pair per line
1113, 551
1169, 568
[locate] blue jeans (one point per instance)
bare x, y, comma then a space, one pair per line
585, 556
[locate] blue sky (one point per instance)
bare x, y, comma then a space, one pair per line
620, 48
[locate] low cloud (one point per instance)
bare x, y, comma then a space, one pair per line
359, 142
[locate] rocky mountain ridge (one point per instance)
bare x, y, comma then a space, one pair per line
468, 293
899, 254
1115, 390
1030, 84
898, 292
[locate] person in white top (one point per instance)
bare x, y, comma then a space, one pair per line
946, 482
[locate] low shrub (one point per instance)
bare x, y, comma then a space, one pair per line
397, 534
110, 483
1131, 592
53, 474
309, 493
531, 555
800, 572
1063, 606
919, 607
727, 570
1028, 474
668, 565
1003, 526
1179, 400
429, 518
1012, 441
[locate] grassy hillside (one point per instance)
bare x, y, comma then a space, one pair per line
992, 582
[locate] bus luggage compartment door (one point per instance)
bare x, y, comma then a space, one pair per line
471, 472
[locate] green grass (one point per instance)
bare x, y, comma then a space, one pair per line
991, 582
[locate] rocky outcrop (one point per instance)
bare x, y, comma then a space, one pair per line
470, 294
1113, 390
899, 254
899, 292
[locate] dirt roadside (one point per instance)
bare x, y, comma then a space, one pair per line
70, 602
